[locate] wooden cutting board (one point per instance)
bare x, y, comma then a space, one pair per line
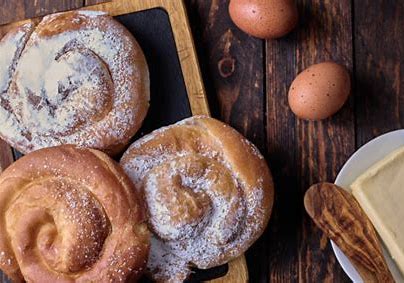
162, 28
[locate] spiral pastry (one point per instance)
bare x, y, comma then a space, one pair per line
75, 78
70, 214
208, 191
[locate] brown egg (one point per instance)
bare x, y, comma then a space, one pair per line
319, 91
264, 18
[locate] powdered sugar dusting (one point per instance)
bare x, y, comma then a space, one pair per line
75, 87
89, 226
201, 211
90, 13
166, 266
12, 46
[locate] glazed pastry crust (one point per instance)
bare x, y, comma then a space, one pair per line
70, 214
209, 194
75, 78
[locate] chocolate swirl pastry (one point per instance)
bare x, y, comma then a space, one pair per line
209, 194
75, 78
70, 214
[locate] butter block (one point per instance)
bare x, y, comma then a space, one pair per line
380, 192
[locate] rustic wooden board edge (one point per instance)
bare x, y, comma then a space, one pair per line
183, 39
176, 10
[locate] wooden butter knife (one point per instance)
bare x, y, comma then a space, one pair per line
337, 213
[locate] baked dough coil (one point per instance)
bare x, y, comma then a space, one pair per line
70, 215
209, 195
75, 78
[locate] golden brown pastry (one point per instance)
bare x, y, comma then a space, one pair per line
75, 78
70, 214
209, 194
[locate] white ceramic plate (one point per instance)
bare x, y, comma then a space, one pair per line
361, 160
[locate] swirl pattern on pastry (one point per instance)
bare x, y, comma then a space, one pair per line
75, 78
208, 191
70, 214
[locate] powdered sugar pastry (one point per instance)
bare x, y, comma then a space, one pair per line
75, 78
203, 210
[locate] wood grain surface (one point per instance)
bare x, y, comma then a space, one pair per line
15, 10
303, 152
379, 68
247, 81
335, 210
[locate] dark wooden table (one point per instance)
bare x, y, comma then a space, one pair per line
247, 81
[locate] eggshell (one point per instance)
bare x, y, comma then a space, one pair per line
264, 18
319, 91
